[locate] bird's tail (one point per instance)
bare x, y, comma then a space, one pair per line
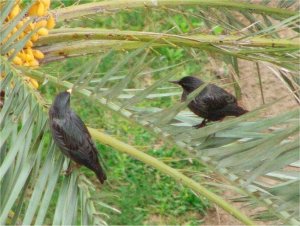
100, 174
239, 111
233, 110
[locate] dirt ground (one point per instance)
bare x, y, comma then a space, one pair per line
218, 216
273, 89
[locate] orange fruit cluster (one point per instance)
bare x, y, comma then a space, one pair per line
28, 56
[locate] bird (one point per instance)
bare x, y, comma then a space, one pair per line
212, 104
71, 135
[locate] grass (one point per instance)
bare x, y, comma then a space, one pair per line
142, 192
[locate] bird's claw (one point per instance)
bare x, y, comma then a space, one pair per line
202, 124
70, 169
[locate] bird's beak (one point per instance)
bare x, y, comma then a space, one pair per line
175, 82
69, 91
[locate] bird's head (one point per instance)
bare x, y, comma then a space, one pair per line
62, 102
189, 83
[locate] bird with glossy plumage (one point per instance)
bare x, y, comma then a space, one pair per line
71, 135
212, 104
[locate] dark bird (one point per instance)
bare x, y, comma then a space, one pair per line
71, 135
212, 103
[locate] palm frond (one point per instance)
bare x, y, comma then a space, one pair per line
235, 147
29, 162
244, 150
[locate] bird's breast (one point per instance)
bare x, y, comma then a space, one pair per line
197, 107
59, 121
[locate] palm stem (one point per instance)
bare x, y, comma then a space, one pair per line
116, 5
90, 41
162, 167
199, 40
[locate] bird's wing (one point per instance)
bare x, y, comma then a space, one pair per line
215, 97
73, 137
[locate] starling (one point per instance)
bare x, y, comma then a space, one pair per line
71, 135
212, 103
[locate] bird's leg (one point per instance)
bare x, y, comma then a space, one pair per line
71, 167
202, 124
2, 97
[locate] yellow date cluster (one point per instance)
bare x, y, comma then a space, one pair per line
44, 21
